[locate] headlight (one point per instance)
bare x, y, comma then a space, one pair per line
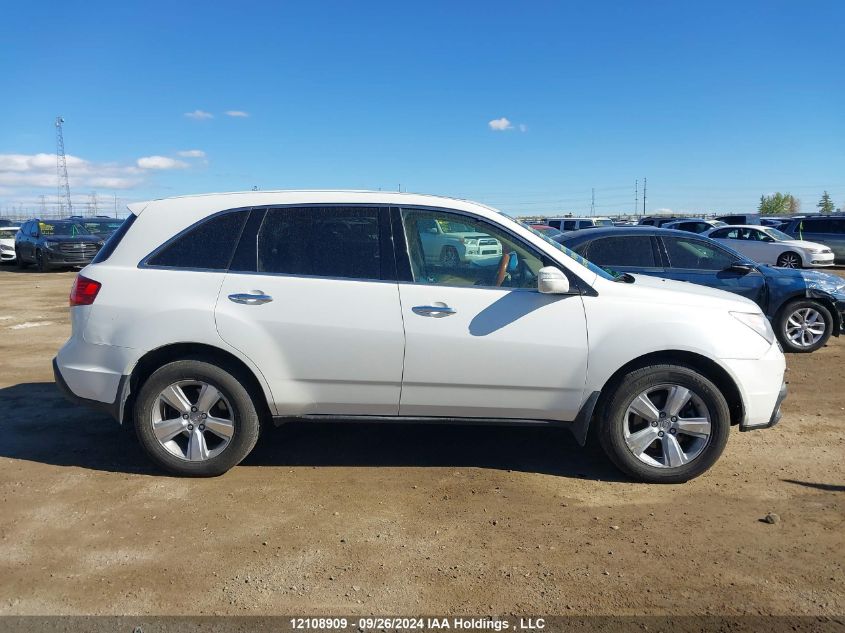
757, 322
819, 251
50, 244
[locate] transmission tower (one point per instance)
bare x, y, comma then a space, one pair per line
63, 189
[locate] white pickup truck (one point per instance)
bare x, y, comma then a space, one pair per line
451, 244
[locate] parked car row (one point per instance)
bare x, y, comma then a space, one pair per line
50, 244
804, 307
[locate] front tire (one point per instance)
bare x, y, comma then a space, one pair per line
40, 264
664, 424
449, 257
803, 326
19, 260
789, 259
195, 418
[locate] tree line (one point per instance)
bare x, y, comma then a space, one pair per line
782, 203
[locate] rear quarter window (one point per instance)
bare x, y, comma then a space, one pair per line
114, 239
205, 246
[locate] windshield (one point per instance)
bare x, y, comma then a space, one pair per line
63, 229
778, 235
598, 270
102, 227
604, 222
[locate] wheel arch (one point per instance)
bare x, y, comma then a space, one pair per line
154, 359
706, 366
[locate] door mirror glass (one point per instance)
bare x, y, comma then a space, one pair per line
552, 281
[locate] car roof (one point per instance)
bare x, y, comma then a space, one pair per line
744, 226
241, 199
616, 231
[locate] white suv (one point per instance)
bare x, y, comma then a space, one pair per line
204, 316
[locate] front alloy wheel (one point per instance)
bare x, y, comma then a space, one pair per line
789, 260
804, 326
665, 423
667, 426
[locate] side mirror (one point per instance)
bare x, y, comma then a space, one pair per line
552, 281
37, 234
741, 268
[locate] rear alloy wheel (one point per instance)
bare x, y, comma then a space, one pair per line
195, 418
789, 260
664, 424
804, 326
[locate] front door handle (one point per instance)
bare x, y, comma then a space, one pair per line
433, 311
251, 299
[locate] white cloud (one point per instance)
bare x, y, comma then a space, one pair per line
39, 170
237, 113
500, 125
192, 153
199, 115
160, 162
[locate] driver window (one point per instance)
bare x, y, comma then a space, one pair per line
459, 250
696, 255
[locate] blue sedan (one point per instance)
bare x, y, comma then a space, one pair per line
805, 307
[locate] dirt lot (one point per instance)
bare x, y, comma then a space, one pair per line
404, 520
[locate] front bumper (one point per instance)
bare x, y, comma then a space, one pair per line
776, 414
821, 259
761, 385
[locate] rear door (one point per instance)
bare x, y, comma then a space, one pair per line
703, 262
481, 341
827, 231
626, 254
311, 298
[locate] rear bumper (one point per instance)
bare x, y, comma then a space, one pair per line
114, 409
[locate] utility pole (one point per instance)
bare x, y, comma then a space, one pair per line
115, 205
593, 203
645, 182
63, 188
636, 196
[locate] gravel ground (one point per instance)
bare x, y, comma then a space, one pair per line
360, 519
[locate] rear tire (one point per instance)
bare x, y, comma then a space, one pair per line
624, 435
217, 452
809, 314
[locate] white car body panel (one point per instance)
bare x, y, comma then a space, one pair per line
327, 346
340, 346
7, 243
503, 354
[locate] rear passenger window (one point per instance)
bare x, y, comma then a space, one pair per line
634, 250
321, 241
206, 246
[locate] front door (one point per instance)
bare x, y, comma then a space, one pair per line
311, 298
702, 262
480, 340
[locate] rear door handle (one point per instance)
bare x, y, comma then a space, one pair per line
433, 311
251, 299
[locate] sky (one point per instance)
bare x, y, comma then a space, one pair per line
526, 106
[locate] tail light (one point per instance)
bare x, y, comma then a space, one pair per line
84, 291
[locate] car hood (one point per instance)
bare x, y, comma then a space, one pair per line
684, 292
803, 244
8, 241
810, 281
470, 235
